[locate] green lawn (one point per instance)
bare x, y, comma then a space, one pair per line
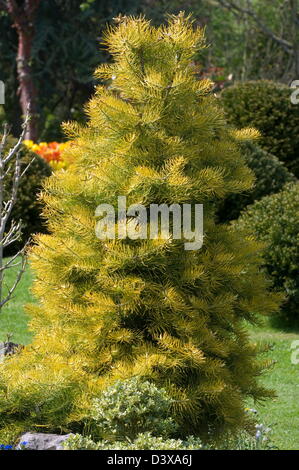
13, 318
282, 414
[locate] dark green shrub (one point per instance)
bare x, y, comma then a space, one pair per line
266, 106
271, 176
275, 221
27, 207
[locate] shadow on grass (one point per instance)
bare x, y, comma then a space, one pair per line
285, 323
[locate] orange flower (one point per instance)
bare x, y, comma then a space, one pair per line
49, 151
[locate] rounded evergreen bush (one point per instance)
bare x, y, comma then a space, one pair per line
27, 207
266, 106
275, 221
133, 406
271, 176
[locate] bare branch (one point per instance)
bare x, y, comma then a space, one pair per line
10, 262
12, 158
6, 172
27, 167
12, 235
18, 278
237, 9
8, 206
12, 152
4, 139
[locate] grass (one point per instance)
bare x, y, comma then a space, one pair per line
13, 318
282, 413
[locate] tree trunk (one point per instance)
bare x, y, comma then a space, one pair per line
23, 17
27, 91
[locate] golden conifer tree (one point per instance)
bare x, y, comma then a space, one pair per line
113, 309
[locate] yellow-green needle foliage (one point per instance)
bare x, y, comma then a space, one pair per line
114, 309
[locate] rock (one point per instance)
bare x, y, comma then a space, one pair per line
12, 348
42, 441
8, 348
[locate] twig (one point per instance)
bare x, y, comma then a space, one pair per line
7, 237
237, 9
18, 278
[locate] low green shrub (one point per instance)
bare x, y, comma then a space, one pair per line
275, 221
131, 407
271, 176
27, 208
146, 441
143, 441
267, 106
135, 402
132, 414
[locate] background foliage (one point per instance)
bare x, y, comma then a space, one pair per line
271, 175
275, 221
66, 49
266, 106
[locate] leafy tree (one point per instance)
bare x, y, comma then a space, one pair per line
115, 309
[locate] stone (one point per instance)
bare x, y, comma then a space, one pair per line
8, 349
42, 441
